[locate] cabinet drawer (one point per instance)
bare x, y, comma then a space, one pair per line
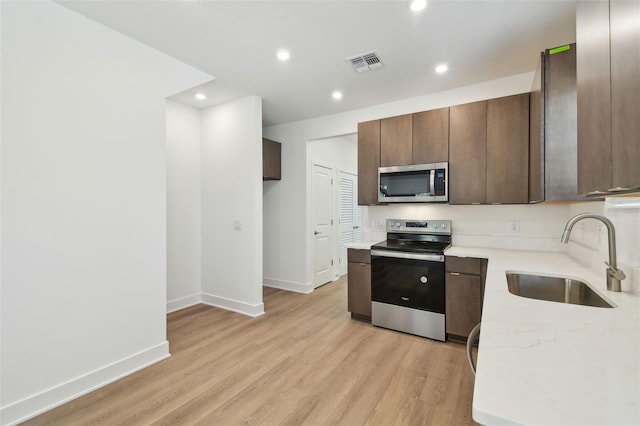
463, 265
359, 255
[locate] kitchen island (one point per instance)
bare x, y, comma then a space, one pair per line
550, 363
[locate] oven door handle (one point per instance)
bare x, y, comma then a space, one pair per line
405, 255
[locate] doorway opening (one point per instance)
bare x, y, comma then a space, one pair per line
336, 216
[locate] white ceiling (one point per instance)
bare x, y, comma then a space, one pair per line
236, 42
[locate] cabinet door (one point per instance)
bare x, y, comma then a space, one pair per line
368, 162
430, 136
271, 160
536, 136
359, 289
508, 150
468, 153
395, 141
463, 303
625, 93
594, 103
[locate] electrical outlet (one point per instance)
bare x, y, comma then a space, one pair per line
514, 226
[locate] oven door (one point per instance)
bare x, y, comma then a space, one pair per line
411, 280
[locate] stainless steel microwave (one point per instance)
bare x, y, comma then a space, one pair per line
419, 183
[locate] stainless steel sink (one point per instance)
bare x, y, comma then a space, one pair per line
554, 289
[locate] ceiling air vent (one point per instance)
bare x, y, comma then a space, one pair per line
366, 62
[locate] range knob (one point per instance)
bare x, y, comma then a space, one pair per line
436, 226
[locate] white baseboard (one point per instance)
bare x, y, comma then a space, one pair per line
233, 305
288, 285
183, 302
31, 406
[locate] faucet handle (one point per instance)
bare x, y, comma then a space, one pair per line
615, 272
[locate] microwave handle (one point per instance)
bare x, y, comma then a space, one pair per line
432, 184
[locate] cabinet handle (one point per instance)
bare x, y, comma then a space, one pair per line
363, 264
618, 189
455, 273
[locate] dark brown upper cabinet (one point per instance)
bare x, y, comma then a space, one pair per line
625, 94
608, 65
395, 141
271, 160
553, 158
594, 97
508, 150
489, 151
536, 135
430, 136
368, 162
468, 153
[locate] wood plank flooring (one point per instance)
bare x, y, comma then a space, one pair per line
305, 362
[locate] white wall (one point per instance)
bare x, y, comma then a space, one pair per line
183, 205
83, 279
339, 153
287, 221
284, 219
232, 206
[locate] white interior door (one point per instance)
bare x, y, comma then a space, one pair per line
322, 224
350, 217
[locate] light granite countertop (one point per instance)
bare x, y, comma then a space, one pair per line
549, 363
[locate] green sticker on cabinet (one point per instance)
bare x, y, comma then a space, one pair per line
559, 49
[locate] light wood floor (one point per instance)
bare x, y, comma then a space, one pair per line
304, 362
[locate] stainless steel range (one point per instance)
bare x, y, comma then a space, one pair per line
407, 277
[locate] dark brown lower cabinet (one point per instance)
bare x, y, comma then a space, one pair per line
463, 292
359, 283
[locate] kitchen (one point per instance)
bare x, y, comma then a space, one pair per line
286, 213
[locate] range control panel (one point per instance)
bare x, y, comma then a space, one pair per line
419, 226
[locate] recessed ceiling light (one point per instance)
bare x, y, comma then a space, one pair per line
283, 55
201, 96
442, 68
417, 5
337, 95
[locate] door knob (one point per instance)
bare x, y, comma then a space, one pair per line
315, 232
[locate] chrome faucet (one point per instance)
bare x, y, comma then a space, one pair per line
614, 275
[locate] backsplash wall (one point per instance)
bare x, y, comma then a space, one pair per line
539, 226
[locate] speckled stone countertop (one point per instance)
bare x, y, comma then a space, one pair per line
549, 363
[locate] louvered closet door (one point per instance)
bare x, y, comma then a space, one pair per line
350, 217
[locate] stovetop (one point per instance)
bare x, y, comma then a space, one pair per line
413, 246
418, 236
